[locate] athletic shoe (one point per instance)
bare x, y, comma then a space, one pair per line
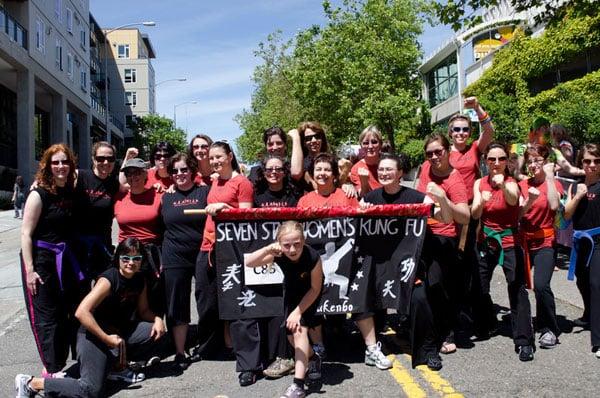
280, 367
434, 362
22, 386
247, 378
181, 361
548, 340
319, 349
294, 391
127, 376
526, 353
138, 366
376, 358
314, 368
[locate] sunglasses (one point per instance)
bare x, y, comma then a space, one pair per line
102, 159
436, 152
59, 162
498, 159
183, 170
372, 142
274, 169
203, 146
160, 156
386, 169
130, 258
132, 172
588, 162
460, 129
309, 138
535, 161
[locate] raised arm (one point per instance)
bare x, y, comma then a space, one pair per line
574, 199
487, 128
296, 160
262, 256
85, 313
479, 199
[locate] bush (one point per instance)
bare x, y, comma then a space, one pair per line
414, 150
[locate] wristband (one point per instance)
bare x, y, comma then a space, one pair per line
486, 120
483, 117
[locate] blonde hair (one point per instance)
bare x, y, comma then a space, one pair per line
289, 226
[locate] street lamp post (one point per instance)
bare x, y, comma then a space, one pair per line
175, 111
180, 79
106, 91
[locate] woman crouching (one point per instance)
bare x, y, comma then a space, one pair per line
303, 279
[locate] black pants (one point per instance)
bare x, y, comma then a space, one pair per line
178, 289
51, 313
543, 263
155, 283
588, 283
514, 272
210, 328
471, 284
96, 358
256, 342
424, 338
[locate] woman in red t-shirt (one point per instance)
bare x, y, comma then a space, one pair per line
364, 173
158, 175
496, 204
198, 150
445, 272
542, 193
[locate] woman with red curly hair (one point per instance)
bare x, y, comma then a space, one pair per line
50, 278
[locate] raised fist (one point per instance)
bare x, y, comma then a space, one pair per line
131, 153
533, 193
498, 180
581, 190
549, 169
486, 196
435, 190
471, 102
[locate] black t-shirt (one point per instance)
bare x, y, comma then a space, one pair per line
296, 280
183, 233
280, 198
587, 214
117, 312
404, 196
94, 206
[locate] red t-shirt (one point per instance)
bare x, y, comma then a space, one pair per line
456, 191
467, 164
355, 178
202, 180
497, 214
233, 191
138, 216
153, 178
539, 216
336, 199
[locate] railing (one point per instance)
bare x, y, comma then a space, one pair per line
98, 106
12, 28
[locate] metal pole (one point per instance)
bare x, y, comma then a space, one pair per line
174, 116
107, 117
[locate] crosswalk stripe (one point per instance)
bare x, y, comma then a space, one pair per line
402, 376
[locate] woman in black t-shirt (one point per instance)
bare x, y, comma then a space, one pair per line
583, 207
117, 325
180, 247
272, 187
303, 280
50, 277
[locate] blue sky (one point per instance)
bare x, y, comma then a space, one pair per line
211, 43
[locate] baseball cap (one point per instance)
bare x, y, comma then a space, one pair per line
135, 163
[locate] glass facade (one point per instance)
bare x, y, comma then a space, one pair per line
442, 81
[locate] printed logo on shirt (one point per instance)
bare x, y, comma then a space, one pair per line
92, 194
185, 202
274, 204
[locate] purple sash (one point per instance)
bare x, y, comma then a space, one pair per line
59, 249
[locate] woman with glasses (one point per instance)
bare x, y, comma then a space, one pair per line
542, 198
230, 189
50, 275
180, 247
117, 325
496, 204
364, 173
198, 153
137, 212
313, 140
96, 190
158, 175
445, 273
583, 207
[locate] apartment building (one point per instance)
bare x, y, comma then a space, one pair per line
132, 52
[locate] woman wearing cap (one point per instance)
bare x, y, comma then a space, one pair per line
49, 273
137, 212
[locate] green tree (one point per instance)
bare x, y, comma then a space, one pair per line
148, 130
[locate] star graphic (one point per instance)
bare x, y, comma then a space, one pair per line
359, 275
360, 259
354, 287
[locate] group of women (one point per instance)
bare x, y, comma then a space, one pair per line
71, 276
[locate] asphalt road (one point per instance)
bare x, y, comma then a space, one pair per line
483, 369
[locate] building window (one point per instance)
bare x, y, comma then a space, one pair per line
123, 51
130, 75
442, 81
40, 35
59, 54
83, 75
58, 10
70, 65
131, 98
69, 20
130, 121
82, 38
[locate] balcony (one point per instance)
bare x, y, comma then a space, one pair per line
15, 31
97, 105
98, 80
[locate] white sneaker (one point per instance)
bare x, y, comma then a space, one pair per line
127, 375
377, 358
294, 391
22, 386
548, 340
